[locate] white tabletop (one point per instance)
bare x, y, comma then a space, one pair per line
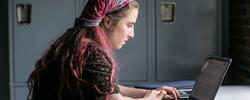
233, 93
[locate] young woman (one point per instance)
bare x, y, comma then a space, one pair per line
80, 64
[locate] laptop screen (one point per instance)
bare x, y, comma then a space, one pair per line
210, 78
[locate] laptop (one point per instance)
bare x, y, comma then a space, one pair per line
205, 86
211, 76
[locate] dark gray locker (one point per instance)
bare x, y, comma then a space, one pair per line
50, 18
182, 45
133, 56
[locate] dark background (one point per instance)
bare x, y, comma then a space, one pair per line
4, 57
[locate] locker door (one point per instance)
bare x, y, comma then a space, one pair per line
182, 45
133, 56
49, 19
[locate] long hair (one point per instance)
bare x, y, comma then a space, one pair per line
69, 53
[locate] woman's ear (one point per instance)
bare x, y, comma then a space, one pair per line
107, 22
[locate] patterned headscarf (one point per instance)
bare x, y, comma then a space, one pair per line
95, 10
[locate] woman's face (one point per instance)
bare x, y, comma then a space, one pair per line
124, 29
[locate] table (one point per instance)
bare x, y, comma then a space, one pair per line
233, 92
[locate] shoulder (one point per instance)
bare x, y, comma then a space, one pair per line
95, 47
97, 55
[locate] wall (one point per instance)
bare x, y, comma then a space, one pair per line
239, 25
4, 64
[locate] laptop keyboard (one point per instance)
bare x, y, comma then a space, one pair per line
184, 93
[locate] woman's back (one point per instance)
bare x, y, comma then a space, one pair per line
97, 71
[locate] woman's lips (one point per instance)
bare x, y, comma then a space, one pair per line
125, 41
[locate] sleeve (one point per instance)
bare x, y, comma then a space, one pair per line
98, 71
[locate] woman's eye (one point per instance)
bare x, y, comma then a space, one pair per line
130, 26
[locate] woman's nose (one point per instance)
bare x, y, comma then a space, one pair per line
131, 35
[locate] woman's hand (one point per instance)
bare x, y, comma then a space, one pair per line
169, 90
154, 95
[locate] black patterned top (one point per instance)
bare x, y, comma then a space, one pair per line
97, 71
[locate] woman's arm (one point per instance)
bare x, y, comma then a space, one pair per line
117, 97
139, 93
132, 92
149, 95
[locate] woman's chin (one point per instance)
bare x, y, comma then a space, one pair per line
118, 47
